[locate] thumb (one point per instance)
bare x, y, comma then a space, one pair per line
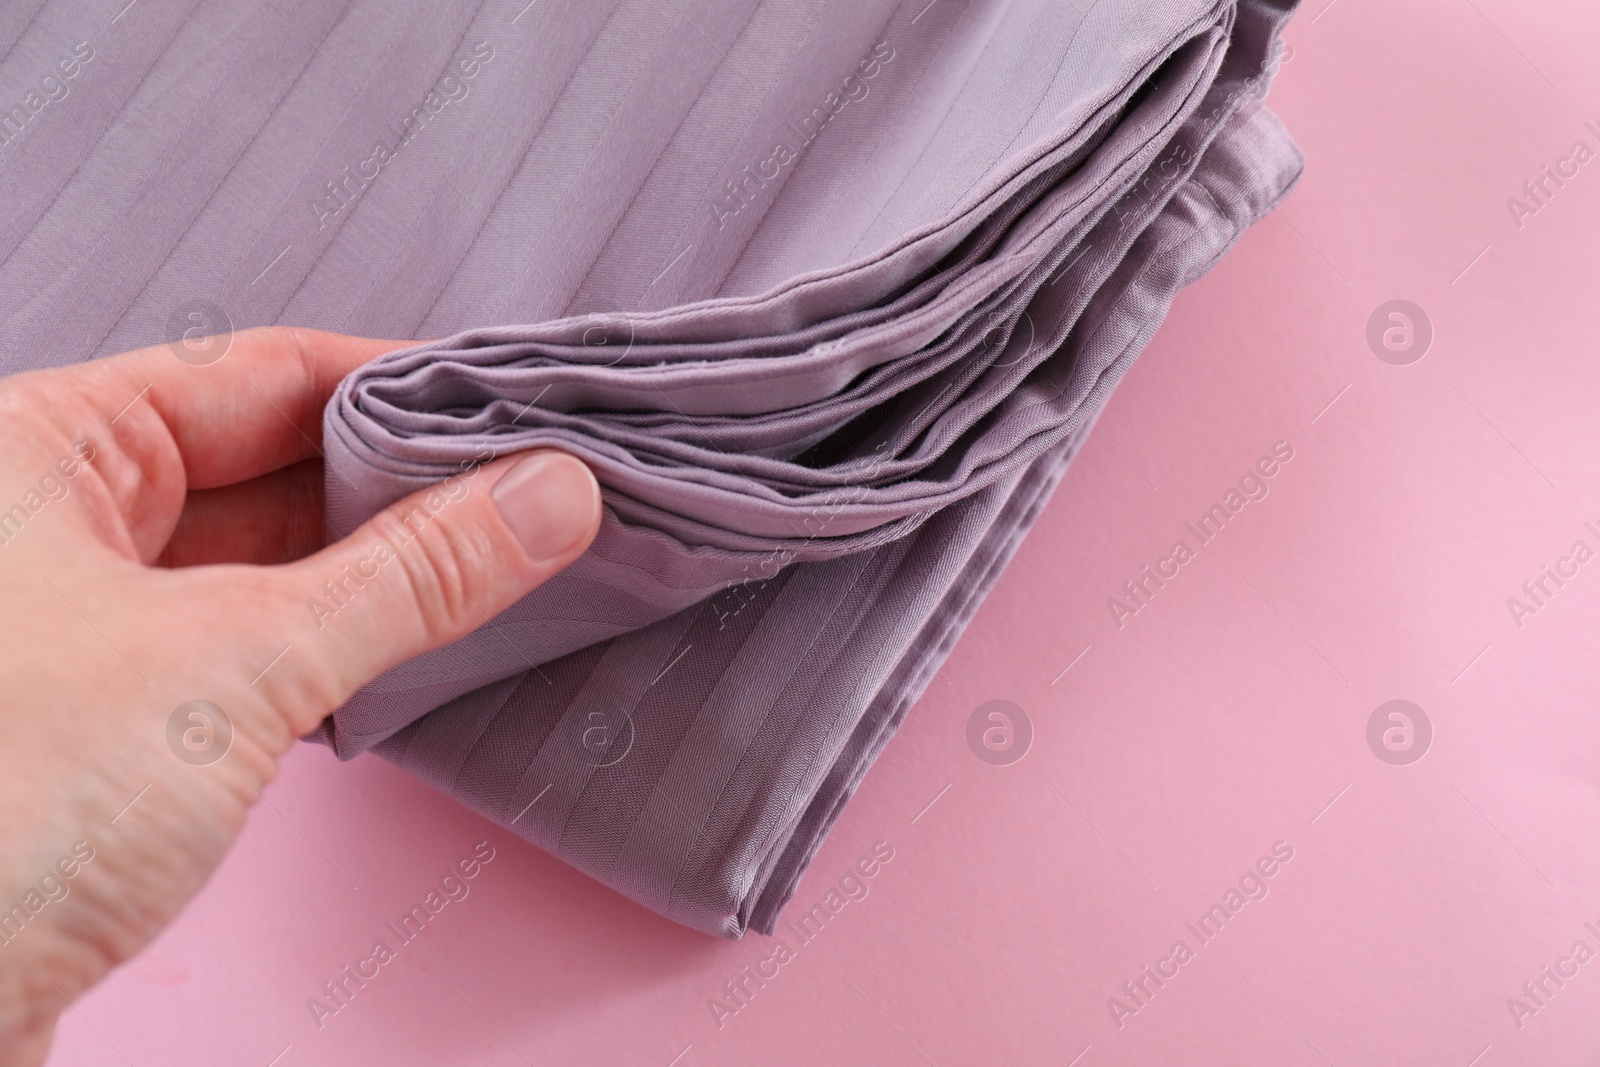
440, 563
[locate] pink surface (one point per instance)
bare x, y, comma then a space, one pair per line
1229, 714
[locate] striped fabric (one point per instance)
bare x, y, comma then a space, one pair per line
828, 294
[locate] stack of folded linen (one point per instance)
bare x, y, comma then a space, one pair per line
833, 361
826, 293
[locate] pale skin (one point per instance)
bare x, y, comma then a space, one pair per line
177, 565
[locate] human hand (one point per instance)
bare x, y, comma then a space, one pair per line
161, 535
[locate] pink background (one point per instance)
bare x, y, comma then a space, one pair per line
1227, 715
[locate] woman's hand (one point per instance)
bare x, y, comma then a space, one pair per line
161, 550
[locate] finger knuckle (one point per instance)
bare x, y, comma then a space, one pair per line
446, 569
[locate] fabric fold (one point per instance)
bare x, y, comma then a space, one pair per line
809, 487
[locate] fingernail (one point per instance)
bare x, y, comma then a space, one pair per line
549, 500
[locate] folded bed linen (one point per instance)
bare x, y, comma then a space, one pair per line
811, 473
827, 294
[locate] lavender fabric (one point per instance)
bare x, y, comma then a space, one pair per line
827, 294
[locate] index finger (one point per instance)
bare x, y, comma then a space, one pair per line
253, 411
